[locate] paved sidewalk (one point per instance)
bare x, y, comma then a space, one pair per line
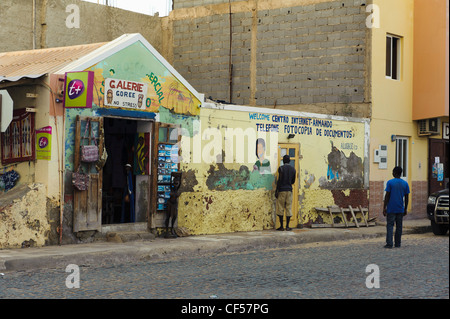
104, 253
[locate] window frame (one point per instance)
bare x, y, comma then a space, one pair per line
393, 57
19, 116
402, 154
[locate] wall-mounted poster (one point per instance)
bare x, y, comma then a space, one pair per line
78, 89
440, 172
44, 143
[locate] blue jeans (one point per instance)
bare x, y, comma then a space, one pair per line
392, 218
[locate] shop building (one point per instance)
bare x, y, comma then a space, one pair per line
382, 60
410, 100
344, 87
63, 103
127, 101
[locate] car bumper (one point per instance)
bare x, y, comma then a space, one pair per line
441, 216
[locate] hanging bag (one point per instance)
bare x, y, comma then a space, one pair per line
80, 180
89, 153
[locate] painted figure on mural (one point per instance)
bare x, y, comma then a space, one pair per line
109, 96
262, 164
140, 100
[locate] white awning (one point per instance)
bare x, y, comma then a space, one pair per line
19, 77
6, 110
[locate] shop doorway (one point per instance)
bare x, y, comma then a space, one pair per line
293, 151
126, 174
438, 170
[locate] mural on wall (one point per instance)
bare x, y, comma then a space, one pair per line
242, 149
69, 134
142, 154
232, 157
262, 165
343, 171
138, 66
134, 79
221, 178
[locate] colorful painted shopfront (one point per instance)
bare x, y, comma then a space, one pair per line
129, 86
150, 122
128, 121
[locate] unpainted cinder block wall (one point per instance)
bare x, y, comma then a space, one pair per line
97, 23
309, 55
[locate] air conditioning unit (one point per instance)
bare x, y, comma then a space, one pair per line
429, 127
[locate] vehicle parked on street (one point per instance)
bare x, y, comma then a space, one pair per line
437, 211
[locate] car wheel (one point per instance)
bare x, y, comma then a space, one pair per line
439, 229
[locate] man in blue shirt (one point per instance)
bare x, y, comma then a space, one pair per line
395, 206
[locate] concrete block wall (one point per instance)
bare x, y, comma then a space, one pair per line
202, 49
311, 54
296, 55
97, 23
180, 4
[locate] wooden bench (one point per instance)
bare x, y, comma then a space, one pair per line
340, 210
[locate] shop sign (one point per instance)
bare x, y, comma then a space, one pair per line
125, 94
78, 89
44, 143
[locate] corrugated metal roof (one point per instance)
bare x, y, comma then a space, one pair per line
35, 63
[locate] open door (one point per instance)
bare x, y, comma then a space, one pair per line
293, 151
87, 205
438, 171
142, 169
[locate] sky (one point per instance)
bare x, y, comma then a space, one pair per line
142, 6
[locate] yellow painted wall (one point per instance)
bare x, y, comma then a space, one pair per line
229, 202
39, 171
29, 208
24, 219
392, 99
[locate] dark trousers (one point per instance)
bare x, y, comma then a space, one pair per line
391, 219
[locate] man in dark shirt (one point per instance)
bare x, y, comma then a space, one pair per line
286, 177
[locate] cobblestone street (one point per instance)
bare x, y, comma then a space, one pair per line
419, 269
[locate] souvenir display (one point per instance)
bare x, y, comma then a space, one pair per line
167, 163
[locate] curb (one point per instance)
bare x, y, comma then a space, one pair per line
99, 254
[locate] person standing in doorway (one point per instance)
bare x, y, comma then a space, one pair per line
395, 207
283, 193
